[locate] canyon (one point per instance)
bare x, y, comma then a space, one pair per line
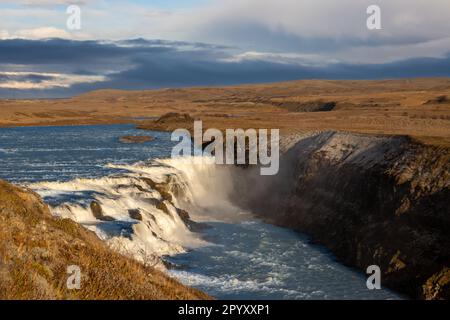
371, 200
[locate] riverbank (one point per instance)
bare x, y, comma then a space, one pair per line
36, 249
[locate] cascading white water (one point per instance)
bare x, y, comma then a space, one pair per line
208, 189
195, 184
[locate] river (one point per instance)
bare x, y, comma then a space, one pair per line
70, 166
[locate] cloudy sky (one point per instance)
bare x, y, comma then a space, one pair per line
166, 43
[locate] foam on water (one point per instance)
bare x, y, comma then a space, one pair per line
160, 231
254, 260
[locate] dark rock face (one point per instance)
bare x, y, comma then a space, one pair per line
311, 106
184, 215
162, 188
97, 211
371, 201
163, 207
166, 189
438, 100
135, 214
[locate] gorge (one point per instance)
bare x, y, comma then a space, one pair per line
370, 200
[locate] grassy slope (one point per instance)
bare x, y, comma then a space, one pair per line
36, 248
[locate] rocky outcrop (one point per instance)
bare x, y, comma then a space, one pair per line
36, 250
169, 122
97, 212
135, 139
167, 190
308, 106
371, 200
438, 100
135, 214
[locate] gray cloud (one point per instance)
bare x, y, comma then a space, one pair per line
58, 68
335, 30
325, 27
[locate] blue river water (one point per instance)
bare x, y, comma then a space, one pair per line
244, 260
33, 154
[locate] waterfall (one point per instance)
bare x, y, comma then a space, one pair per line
148, 209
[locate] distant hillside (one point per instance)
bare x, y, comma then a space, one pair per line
415, 107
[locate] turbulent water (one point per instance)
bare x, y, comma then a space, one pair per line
231, 256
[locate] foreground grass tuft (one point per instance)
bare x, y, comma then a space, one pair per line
36, 249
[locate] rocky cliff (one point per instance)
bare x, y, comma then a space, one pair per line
371, 200
36, 249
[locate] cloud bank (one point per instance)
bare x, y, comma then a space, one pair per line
60, 67
224, 42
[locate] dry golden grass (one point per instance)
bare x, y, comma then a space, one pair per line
401, 107
36, 249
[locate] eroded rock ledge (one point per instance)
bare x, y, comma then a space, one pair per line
371, 200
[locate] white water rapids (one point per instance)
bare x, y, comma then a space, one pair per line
195, 185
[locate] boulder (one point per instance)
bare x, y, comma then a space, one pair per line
97, 211
135, 214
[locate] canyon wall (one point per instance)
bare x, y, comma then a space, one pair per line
371, 200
